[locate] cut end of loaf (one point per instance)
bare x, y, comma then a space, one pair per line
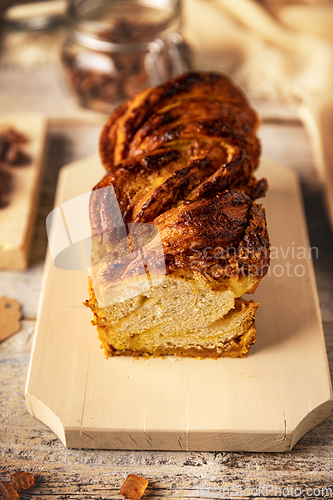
178, 318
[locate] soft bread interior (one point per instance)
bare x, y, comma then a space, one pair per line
177, 317
180, 303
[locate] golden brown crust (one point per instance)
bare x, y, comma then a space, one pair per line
188, 152
186, 99
189, 139
190, 111
108, 135
220, 238
149, 184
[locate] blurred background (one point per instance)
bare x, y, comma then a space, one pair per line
278, 50
81, 59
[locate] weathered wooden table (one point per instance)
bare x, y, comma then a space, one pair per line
26, 444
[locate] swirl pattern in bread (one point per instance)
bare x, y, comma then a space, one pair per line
181, 158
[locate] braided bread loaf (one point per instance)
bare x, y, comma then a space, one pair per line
186, 239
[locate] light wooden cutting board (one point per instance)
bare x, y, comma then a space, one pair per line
265, 402
18, 217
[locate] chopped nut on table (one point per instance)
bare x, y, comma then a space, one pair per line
10, 147
134, 487
19, 481
7, 491
22, 480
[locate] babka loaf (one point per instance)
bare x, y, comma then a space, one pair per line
177, 237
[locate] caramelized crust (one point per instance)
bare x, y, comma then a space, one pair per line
182, 156
186, 99
191, 138
191, 110
221, 239
149, 184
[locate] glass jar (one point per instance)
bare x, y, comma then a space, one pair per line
115, 48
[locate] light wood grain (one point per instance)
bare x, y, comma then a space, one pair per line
183, 403
18, 218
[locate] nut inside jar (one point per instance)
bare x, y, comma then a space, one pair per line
112, 54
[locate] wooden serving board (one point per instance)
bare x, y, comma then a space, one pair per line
263, 403
18, 217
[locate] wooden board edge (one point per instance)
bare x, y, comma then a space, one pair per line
37, 191
41, 412
93, 157
319, 414
69, 437
212, 441
312, 419
17, 259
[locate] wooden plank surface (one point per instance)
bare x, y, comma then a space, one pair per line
18, 217
256, 404
62, 473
